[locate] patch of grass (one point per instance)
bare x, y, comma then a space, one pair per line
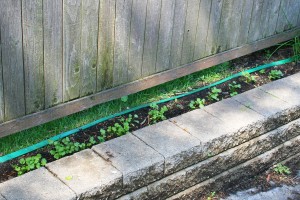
31, 136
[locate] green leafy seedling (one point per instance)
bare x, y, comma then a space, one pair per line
211, 196
157, 114
248, 77
124, 99
275, 74
199, 103
118, 129
281, 169
234, 87
30, 163
263, 71
213, 95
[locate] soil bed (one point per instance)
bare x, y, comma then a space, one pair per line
178, 106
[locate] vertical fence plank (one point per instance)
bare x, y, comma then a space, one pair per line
106, 37
213, 27
224, 31
202, 26
255, 28
71, 49
264, 17
138, 20
272, 17
12, 58
89, 40
32, 14
165, 35
122, 32
1, 80
245, 22
294, 7
53, 52
177, 33
236, 15
151, 37
190, 29
287, 18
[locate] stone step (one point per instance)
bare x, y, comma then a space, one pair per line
166, 158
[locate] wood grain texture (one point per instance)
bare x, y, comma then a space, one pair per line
287, 18
272, 17
264, 17
245, 22
53, 32
71, 49
138, 22
89, 46
1, 80
224, 35
165, 35
151, 37
33, 43
293, 7
122, 33
106, 38
190, 30
213, 27
177, 33
87, 102
236, 16
202, 27
255, 26
12, 58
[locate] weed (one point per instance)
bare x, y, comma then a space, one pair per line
200, 103
30, 163
124, 99
157, 114
275, 74
234, 88
65, 147
213, 95
263, 71
248, 77
282, 169
268, 54
211, 196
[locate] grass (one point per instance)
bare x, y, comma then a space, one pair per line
31, 136
36, 134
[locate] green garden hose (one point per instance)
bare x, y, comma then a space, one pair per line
65, 134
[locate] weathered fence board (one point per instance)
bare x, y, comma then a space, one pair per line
89, 46
106, 38
190, 31
138, 20
60, 53
245, 21
71, 52
202, 27
53, 48
12, 59
33, 43
151, 37
213, 27
177, 33
122, 34
165, 35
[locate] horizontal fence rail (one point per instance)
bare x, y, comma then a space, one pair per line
57, 56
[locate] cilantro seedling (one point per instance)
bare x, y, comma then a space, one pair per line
275, 74
234, 87
157, 114
28, 164
213, 95
198, 103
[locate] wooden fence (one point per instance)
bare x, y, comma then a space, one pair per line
58, 57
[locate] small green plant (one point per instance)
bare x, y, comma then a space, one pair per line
211, 196
233, 87
117, 129
157, 114
249, 78
275, 74
91, 142
65, 147
268, 54
263, 71
282, 169
198, 103
27, 164
124, 99
213, 95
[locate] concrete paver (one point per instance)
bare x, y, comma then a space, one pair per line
139, 163
88, 175
179, 148
39, 184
